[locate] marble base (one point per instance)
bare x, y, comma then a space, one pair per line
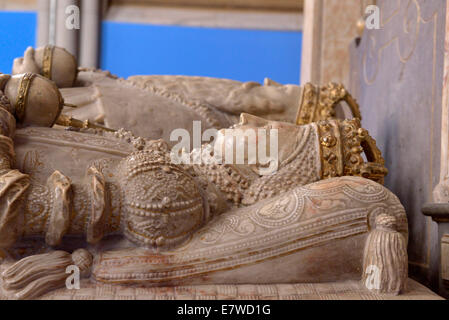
348, 290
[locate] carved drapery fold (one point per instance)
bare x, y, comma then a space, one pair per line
300, 220
13, 185
99, 213
59, 220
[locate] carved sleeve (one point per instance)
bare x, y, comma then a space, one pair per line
13, 183
229, 96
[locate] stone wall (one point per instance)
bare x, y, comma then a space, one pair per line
18, 4
288, 5
397, 76
330, 26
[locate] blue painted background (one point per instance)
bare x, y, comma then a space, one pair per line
130, 49
17, 32
245, 55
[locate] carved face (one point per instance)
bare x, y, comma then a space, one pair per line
277, 139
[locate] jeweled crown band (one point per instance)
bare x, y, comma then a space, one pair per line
22, 97
342, 144
331, 149
47, 61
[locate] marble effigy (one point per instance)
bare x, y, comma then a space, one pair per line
116, 206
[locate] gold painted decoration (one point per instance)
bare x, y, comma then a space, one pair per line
356, 142
307, 108
22, 97
342, 145
47, 61
318, 103
68, 121
331, 149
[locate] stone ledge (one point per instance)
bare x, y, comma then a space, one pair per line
438, 211
344, 290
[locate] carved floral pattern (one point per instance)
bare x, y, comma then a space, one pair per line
289, 227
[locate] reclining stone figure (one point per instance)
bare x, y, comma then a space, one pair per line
147, 221
153, 106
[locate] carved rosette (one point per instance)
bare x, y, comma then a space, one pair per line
342, 145
164, 205
318, 103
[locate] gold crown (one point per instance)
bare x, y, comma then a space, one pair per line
318, 103
342, 145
